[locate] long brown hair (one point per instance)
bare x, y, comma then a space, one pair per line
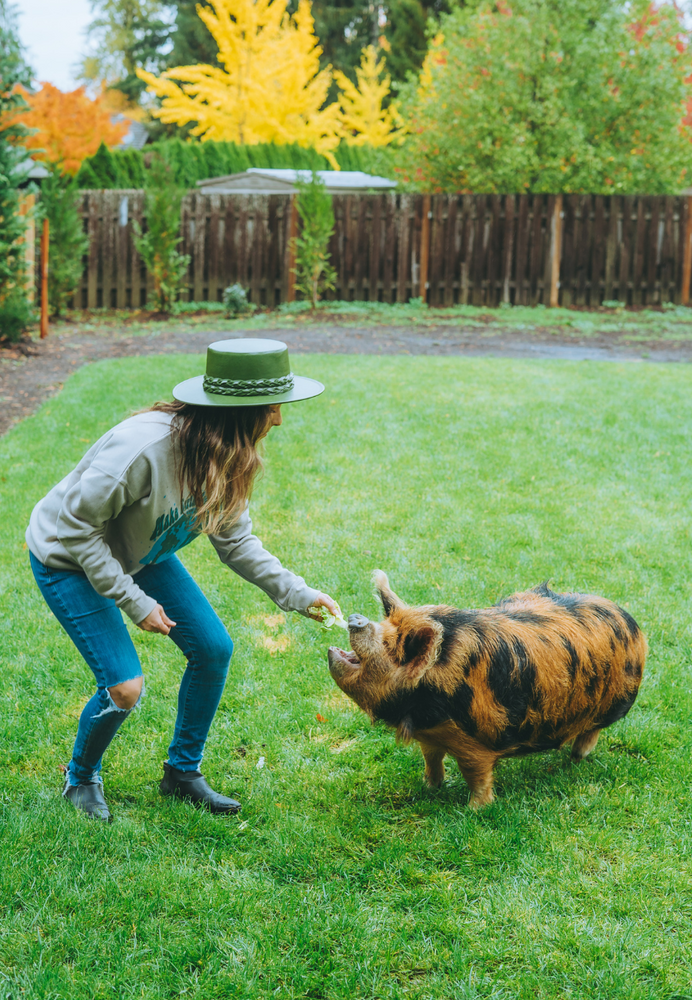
219, 460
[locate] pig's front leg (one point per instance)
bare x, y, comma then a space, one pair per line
478, 772
434, 768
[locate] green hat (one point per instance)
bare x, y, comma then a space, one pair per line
247, 372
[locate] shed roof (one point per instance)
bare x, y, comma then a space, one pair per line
136, 136
261, 180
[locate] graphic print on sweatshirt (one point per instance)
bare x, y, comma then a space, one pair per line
173, 531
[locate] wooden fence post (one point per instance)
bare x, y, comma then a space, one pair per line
292, 235
687, 254
555, 247
424, 249
45, 239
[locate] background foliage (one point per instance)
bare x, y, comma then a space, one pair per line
126, 35
533, 95
546, 96
194, 161
314, 272
15, 310
158, 244
68, 241
156, 35
66, 128
269, 87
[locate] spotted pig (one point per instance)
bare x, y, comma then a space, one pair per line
534, 672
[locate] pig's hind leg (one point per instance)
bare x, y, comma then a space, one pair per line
434, 767
584, 744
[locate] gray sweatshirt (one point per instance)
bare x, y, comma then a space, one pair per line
121, 509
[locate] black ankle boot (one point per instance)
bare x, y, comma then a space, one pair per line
88, 798
192, 787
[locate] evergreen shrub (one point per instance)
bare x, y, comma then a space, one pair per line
314, 272
15, 310
68, 242
190, 162
159, 244
235, 301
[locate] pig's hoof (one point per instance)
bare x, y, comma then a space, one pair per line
434, 779
481, 799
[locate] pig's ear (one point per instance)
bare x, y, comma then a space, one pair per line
390, 602
419, 649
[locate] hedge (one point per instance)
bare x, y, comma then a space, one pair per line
195, 161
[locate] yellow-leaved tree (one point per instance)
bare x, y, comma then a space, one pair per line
271, 88
363, 119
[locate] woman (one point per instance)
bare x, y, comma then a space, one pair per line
103, 541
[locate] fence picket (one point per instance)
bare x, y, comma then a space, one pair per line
598, 251
614, 210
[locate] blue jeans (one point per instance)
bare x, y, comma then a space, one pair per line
96, 627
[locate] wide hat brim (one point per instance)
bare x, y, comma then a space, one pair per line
192, 391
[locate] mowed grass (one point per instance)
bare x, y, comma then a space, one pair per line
345, 877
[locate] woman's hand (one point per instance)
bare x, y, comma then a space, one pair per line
157, 621
322, 601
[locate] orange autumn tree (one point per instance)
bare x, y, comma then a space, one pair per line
69, 126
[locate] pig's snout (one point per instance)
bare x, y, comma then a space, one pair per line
357, 622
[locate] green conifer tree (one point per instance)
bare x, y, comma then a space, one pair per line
406, 35
314, 272
68, 243
159, 244
125, 35
192, 41
15, 309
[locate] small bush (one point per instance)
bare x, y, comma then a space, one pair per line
16, 313
235, 301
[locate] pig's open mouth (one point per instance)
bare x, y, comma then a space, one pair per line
345, 654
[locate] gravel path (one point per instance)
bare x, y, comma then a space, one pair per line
29, 378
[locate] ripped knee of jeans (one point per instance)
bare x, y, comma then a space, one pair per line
108, 703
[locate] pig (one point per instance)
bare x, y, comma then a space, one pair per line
534, 672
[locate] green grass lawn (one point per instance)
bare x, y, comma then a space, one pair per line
346, 877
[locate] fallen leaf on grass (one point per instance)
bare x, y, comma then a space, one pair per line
321, 718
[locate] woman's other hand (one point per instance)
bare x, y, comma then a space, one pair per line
158, 621
323, 601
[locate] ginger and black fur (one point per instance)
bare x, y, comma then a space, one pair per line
534, 672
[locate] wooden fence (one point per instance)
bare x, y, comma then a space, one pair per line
478, 249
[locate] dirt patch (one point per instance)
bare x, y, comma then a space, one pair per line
33, 371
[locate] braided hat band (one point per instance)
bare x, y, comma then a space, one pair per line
248, 386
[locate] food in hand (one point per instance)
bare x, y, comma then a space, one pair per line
327, 618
